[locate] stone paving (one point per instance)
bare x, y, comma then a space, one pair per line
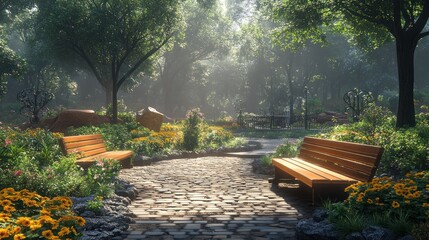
209, 198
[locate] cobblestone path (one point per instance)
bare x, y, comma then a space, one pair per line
208, 198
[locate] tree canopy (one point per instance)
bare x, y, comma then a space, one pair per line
112, 50
369, 23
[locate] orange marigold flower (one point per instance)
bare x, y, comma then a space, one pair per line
4, 233
64, 231
35, 224
416, 194
47, 234
5, 202
399, 192
425, 205
23, 221
19, 236
81, 221
16, 230
395, 204
9, 208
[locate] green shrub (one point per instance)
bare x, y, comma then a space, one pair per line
404, 149
285, 150
192, 129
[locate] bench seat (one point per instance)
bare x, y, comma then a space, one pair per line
309, 173
91, 148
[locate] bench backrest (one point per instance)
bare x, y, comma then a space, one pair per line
358, 161
83, 145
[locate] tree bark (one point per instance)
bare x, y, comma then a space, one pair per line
114, 102
405, 47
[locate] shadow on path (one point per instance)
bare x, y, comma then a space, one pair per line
211, 198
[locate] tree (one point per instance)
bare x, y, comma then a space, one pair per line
207, 36
369, 23
114, 38
10, 63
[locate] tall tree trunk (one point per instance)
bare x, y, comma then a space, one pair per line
109, 93
405, 48
114, 104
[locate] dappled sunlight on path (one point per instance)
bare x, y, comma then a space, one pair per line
205, 198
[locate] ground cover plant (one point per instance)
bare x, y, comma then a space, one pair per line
28, 215
31, 159
401, 205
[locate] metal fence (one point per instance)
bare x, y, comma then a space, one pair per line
281, 122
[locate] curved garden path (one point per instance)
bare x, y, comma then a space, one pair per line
210, 198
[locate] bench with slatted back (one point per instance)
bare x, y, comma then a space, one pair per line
324, 162
90, 148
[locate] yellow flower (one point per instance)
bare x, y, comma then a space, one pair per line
4, 233
30, 203
369, 201
9, 209
425, 205
35, 225
399, 192
395, 204
64, 231
19, 236
24, 221
16, 230
5, 202
81, 221
399, 186
416, 194
48, 234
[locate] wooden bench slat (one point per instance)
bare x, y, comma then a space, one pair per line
365, 149
346, 163
355, 157
311, 174
329, 174
71, 145
346, 171
302, 174
118, 155
81, 138
88, 148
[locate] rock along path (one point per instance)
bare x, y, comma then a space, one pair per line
209, 198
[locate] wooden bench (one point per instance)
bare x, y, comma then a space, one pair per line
90, 148
328, 163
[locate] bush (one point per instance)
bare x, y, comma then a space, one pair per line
191, 129
26, 214
214, 136
285, 150
405, 150
386, 202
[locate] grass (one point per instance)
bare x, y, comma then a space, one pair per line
275, 134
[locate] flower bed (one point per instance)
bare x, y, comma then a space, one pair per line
25, 214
